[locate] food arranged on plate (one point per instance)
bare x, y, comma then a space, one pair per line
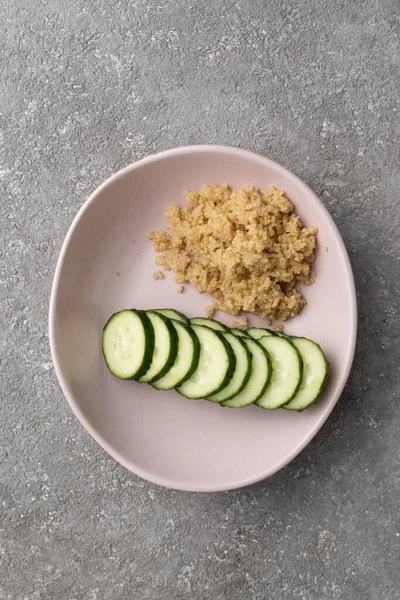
202, 358
246, 248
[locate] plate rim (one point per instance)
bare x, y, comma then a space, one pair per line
97, 436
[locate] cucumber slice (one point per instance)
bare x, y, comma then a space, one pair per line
128, 344
260, 374
287, 370
211, 323
242, 370
186, 360
215, 368
315, 374
258, 332
239, 332
165, 347
171, 313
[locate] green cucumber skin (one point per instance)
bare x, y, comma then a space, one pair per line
269, 372
269, 331
195, 357
248, 368
301, 370
149, 348
150, 342
298, 383
246, 379
244, 382
204, 322
185, 322
266, 383
196, 354
240, 332
160, 311
229, 372
173, 349
323, 383
232, 364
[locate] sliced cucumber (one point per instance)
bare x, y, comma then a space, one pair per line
315, 374
165, 347
287, 370
186, 360
215, 368
171, 313
242, 370
258, 381
239, 332
211, 323
258, 332
128, 344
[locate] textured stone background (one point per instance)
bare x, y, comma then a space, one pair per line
89, 86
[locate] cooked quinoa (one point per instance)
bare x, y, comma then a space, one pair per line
246, 248
240, 324
209, 309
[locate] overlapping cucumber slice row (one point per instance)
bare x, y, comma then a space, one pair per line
202, 358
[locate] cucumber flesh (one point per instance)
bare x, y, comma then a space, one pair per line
128, 344
186, 360
203, 358
242, 370
215, 368
171, 313
258, 381
165, 347
211, 323
287, 370
315, 374
258, 332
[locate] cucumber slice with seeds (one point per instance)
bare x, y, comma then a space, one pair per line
165, 347
186, 360
258, 381
215, 368
171, 313
315, 374
128, 344
209, 360
287, 370
242, 370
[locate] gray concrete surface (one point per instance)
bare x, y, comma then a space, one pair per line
89, 86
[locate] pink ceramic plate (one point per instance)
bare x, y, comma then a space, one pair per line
106, 264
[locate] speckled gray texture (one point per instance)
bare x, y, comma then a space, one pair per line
89, 86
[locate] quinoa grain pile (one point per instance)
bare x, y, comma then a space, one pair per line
246, 248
